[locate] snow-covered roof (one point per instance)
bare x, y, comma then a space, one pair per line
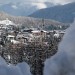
15, 42
44, 31
35, 31
11, 36
38, 31
56, 35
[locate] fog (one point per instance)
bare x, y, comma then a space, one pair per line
63, 62
29, 1
19, 69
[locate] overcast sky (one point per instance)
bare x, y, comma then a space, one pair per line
53, 1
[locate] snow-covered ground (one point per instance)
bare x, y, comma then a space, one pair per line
63, 62
19, 69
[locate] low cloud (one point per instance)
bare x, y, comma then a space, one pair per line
62, 1
39, 5
63, 62
53, 1
20, 69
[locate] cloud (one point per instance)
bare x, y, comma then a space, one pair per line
63, 62
53, 1
39, 5
62, 1
14, 7
20, 69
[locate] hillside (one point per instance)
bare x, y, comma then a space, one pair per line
28, 21
62, 13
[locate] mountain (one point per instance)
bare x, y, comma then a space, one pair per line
63, 13
28, 21
23, 9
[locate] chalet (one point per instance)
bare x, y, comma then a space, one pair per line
38, 33
23, 37
10, 37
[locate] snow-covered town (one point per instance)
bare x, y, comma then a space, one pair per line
37, 37
30, 45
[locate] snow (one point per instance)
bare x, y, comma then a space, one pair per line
6, 22
9, 57
19, 69
56, 35
12, 36
15, 42
63, 62
36, 31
